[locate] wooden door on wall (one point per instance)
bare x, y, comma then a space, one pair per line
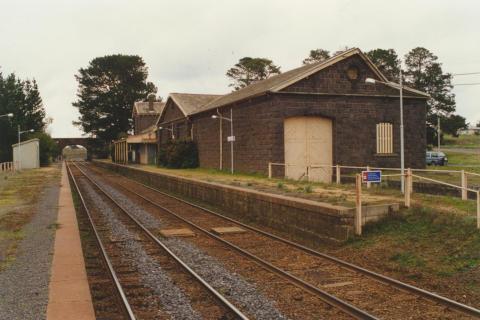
308, 141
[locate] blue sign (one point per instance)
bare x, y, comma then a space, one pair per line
372, 176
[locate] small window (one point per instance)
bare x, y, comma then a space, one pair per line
384, 138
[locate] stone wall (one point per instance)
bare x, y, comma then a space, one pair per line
306, 220
354, 107
143, 121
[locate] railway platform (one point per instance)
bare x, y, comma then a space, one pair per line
69, 293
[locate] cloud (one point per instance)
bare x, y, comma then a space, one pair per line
189, 45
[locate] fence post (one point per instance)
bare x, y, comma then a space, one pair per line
337, 173
464, 185
478, 209
269, 170
369, 184
358, 205
407, 193
308, 173
409, 170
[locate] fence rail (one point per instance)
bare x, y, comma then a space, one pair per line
409, 176
8, 167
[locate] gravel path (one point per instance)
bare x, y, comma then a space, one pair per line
233, 286
172, 299
24, 284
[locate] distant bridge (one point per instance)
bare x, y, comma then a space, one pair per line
63, 142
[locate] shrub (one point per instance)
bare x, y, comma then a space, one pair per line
178, 154
48, 148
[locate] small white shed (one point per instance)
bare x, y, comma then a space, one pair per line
27, 154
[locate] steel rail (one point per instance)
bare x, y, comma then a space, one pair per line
323, 295
120, 293
379, 277
205, 284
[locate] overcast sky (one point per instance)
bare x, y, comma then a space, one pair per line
189, 45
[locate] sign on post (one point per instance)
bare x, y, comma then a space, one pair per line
231, 138
372, 176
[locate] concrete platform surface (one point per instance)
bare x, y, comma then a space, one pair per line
69, 293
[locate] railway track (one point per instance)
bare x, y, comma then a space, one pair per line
135, 282
339, 305
378, 294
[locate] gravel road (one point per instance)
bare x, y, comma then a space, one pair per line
24, 284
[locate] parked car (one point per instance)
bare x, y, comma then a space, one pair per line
436, 158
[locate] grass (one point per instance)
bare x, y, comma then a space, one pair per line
422, 242
18, 196
463, 141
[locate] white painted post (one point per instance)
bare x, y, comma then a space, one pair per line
411, 180
464, 185
369, 184
407, 189
269, 170
337, 173
358, 205
478, 209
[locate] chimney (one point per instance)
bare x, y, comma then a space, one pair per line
151, 100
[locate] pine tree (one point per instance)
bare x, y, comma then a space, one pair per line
249, 70
107, 90
317, 55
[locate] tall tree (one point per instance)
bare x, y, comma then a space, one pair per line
317, 55
107, 90
387, 61
453, 124
424, 72
249, 70
22, 99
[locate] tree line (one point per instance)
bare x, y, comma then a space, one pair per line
109, 86
22, 99
421, 70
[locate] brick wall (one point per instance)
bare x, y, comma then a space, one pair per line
173, 118
354, 107
142, 122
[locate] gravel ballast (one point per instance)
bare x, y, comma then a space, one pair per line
24, 284
172, 299
231, 285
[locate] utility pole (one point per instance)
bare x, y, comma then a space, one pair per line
402, 140
438, 132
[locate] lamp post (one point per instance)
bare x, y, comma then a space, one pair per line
231, 138
398, 86
19, 147
171, 130
10, 115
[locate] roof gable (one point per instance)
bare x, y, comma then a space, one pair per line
190, 102
142, 108
283, 80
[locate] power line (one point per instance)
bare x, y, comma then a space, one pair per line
464, 74
466, 84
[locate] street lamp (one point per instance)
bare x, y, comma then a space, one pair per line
19, 147
10, 115
231, 138
171, 130
398, 86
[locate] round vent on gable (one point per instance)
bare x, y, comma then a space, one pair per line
352, 73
